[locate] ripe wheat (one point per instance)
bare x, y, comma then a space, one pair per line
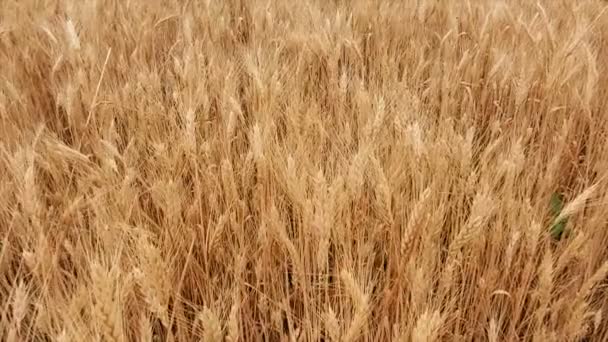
315, 170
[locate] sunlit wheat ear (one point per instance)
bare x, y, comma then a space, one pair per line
382, 191
545, 285
63, 336
597, 320
19, 305
145, 328
591, 282
212, 327
72, 35
322, 218
257, 147
361, 304
233, 327
420, 276
332, 326
189, 135
493, 331
379, 116
277, 227
413, 220
592, 76
153, 280
108, 317
427, 327
533, 235
29, 197
514, 242
467, 149
254, 72
481, 212
229, 181
415, 138
577, 204
231, 122
356, 173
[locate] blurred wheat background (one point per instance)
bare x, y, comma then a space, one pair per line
254, 170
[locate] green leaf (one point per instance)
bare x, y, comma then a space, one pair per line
557, 204
558, 228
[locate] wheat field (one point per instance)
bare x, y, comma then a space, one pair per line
315, 170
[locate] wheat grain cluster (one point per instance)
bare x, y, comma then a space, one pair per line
314, 170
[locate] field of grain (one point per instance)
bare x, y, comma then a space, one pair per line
314, 170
